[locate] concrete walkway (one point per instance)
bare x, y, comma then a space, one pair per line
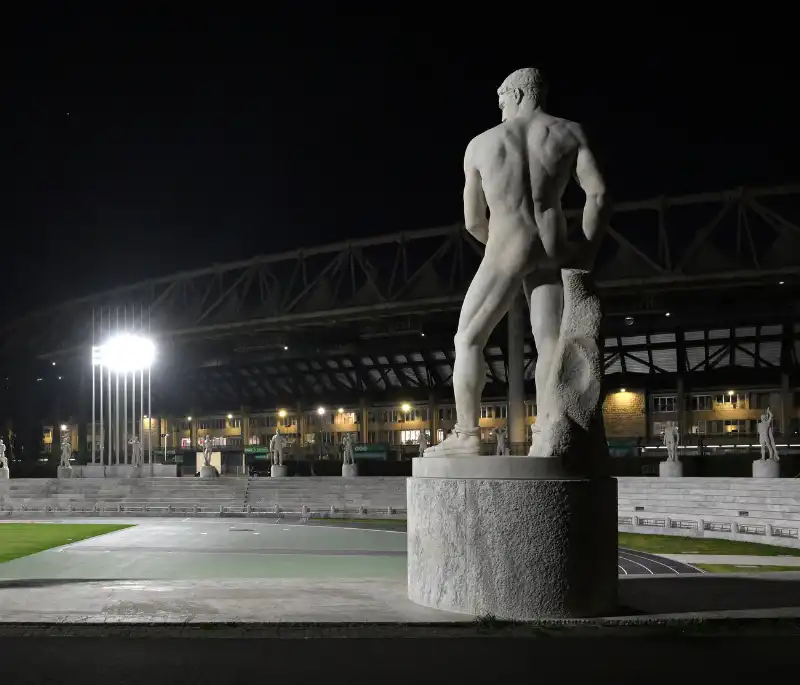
734, 559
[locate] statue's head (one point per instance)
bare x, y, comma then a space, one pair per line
525, 87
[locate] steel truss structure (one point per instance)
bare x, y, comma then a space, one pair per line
349, 318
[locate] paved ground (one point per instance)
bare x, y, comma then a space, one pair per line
734, 559
199, 570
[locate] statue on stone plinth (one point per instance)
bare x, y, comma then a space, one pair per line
766, 438
519, 170
348, 456
137, 456
3, 458
66, 451
423, 442
671, 438
500, 435
276, 445
208, 448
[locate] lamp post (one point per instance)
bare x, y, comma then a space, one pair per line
124, 354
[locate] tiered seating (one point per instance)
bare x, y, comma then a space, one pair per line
320, 494
131, 495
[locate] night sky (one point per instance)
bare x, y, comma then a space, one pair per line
137, 148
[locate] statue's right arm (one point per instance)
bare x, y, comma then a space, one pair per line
474, 199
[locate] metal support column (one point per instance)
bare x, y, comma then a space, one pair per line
517, 429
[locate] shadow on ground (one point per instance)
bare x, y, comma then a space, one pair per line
682, 594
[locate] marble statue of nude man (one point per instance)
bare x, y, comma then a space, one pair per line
519, 170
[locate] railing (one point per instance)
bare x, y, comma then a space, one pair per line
275, 511
675, 524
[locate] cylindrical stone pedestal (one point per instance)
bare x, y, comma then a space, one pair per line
349, 470
4, 475
511, 547
65, 472
766, 468
277, 471
208, 472
670, 469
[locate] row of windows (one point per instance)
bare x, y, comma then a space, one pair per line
718, 427
729, 400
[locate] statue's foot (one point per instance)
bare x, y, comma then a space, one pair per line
460, 443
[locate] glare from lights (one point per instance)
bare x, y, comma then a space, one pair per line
55, 363
341, 410
188, 418
406, 407
623, 390
230, 416
124, 353
422, 334
779, 283
320, 410
730, 392
285, 347
59, 378
38, 379
282, 413
63, 426
667, 314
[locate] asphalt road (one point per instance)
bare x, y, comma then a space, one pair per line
633, 563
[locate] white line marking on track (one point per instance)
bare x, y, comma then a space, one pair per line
624, 558
652, 561
622, 569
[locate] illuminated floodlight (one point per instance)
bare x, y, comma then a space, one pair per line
230, 416
321, 410
406, 407
188, 418
623, 390
125, 352
282, 413
63, 426
341, 410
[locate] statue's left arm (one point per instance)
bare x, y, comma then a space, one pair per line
597, 209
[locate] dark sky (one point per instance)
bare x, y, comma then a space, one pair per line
136, 147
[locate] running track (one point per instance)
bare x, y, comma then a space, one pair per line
631, 562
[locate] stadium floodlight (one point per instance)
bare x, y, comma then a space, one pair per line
127, 352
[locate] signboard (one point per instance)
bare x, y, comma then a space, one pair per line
256, 449
364, 450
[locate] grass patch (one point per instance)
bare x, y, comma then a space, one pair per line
674, 544
732, 568
21, 539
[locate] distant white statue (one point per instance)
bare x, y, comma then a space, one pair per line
3, 458
500, 434
766, 439
137, 456
276, 445
348, 457
671, 438
423, 442
66, 450
208, 448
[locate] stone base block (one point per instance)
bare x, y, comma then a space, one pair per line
208, 472
4, 475
65, 472
278, 471
766, 468
516, 549
670, 469
93, 471
349, 470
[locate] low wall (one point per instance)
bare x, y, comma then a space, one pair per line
765, 510
125, 471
